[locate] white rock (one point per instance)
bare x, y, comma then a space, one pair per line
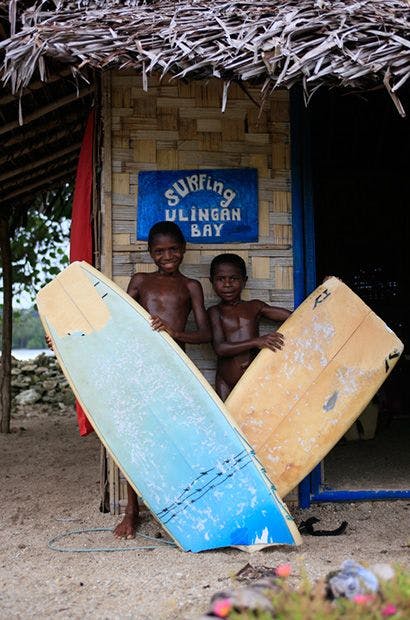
28, 397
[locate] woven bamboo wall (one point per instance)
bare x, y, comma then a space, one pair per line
178, 125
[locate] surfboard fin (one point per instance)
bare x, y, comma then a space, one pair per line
306, 527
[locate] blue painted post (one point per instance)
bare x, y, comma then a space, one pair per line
297, 199
331, 495
298, 225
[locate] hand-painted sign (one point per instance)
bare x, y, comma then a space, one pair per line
210, 206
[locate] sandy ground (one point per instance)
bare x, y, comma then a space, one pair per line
49, 486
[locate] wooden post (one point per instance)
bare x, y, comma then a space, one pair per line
7, 331
107, 177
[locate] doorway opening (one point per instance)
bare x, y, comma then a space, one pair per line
360, 159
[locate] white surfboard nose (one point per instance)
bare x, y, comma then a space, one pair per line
85, 313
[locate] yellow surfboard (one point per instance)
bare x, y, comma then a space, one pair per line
295, 404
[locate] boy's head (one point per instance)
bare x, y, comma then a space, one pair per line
166, 245
228, 277
168, 229
229, 259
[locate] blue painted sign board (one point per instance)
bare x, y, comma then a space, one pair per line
210, 206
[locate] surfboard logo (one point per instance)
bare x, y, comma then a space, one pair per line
392, 356
321, 298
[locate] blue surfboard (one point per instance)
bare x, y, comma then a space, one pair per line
161, 421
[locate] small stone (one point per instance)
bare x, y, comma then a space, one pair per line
28, 397
22, 382
49, 384
29, 368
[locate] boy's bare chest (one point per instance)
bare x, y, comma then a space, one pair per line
239, 322
164, 294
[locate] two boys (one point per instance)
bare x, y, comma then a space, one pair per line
169, 297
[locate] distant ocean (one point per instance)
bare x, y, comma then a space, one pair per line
28, 354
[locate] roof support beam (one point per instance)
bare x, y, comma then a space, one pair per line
40, 162
47, 109
35, 86
33, 176
64, 174
26, 133
47, 141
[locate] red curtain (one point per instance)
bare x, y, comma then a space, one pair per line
81, 237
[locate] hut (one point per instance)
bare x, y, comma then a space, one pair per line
187, 89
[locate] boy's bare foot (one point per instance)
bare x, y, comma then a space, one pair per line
126, 529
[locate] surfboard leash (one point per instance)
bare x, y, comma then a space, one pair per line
51, 545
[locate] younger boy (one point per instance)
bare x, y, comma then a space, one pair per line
235, 323
169, 297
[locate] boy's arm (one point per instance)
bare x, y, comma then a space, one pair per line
203, 333
133, 286
223, 348
274, 313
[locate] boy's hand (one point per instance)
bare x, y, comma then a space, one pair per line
158, 325
273, 341
49, 342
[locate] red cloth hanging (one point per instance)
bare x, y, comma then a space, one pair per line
81, 237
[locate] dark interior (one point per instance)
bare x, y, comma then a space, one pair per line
361, 195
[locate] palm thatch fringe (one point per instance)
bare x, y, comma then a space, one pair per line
352, 43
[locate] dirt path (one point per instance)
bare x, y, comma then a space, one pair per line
49, 486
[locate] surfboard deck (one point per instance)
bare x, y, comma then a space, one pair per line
294, 405
161, 421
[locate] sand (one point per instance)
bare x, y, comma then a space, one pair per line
50, 485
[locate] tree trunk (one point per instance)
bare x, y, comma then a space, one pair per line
5, 369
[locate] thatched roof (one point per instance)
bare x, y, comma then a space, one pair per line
50, 49
355, 43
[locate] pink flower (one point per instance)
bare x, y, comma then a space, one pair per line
222, 607
363, 599
389, 610
283, 570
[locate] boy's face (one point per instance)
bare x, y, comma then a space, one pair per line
228, 282
167, 253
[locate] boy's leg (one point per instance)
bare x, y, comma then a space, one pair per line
221, 387
127, 527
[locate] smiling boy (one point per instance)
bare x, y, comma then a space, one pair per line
235, 322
